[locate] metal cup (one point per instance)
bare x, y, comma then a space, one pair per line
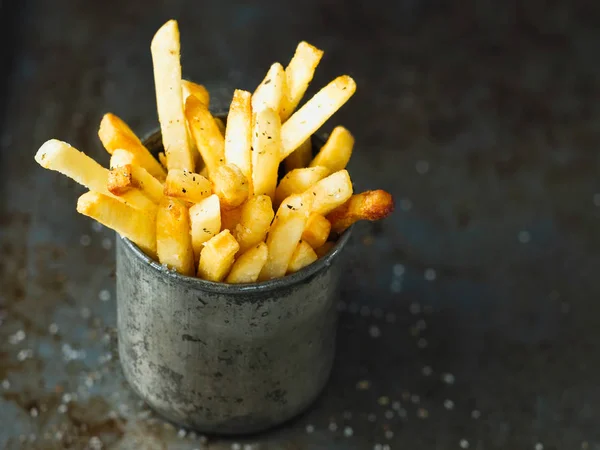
220, 358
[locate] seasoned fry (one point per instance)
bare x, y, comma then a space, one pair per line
368, 205
270, 91
300, 157
61, 157
195, 89
266, 143
216, 258
324, 249
120, 180
302, 257
230, 184
116, 134
336, 152
124, 178
281, 242
221, 125
137, 226
299, 73
205, 221
206, 133
238, 134
165, 50
230, 218
254, 222
187, 186
173, 240
316, 231
330, 192
298, 181
314, 113
248, 265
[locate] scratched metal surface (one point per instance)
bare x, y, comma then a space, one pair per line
470, 318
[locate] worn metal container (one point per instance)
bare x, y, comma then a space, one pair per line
221, 358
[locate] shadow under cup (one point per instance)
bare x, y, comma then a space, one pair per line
221, 358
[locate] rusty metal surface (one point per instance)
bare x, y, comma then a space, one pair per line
469, 318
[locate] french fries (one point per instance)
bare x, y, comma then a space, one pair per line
205, 222
217, 256
165, 50
187, 186
205, 206
315, 112
173, 240
116, 134
230, 184
302, 257
205, 131
248, 265
238, 134
336, 152
266, 142
368, 205
299, 73
255, 219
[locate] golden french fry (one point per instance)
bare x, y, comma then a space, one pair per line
316, 231
163, 160
248, 265
314, 113
165, 50
115, 134
270, 91
205, 221
330, 192
173, 240
254, 222
336, 152
195, 89
298, 181
368, 205
238, 134
61, 157
188, 186
266, 143
230, 218
216, 258
221, 125
302, 257
300, 157
282, 240
206, 133
123, 178
230, 184
137, 226
324, 249
122, 157
299, 73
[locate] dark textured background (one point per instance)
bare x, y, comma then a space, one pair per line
470, 317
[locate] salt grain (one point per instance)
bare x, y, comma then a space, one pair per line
181, 433
333, 426
398, 270
348, 431
33, 412
62, 409
475, 414
95, 443
24, 354
464, 443
85, 240
448, 404
17, 337
430, 274
389, 434
104, 295
310, 429
448, 378
539, 446
53, 328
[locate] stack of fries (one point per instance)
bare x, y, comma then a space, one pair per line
206, 206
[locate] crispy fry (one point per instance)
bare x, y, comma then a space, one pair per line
116, 134
137, 226
165, 50
336, 152
163, 160
299, 73
61, 157
206, 133
266, 143
230, 218
324, 249
298, 181
216, 258
302, 257
205, 220
300, 157
255, 220
188, 186
221, 125
315, 112
282, 241
122, 157
195, 89
248, 265
330, 192
173, 240
124, 178
238, 134
230, 184
120, 180
316, 231
270, 91
368, 205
